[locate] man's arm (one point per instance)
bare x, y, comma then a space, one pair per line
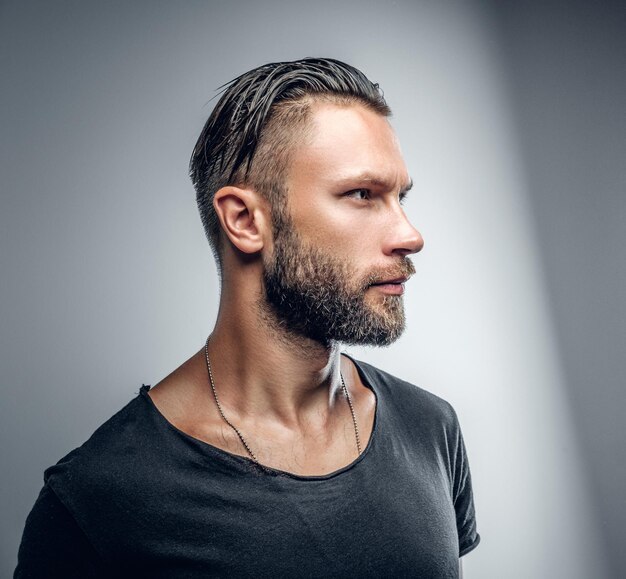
53, 545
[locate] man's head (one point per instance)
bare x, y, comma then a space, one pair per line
312, 139
258, 122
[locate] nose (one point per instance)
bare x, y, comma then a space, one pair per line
402, 238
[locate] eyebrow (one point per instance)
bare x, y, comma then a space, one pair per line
369, 178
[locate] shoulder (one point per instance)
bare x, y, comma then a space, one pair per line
412, 410
109, 482
407, 398
113, 453
119, 474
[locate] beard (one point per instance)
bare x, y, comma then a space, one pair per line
312, 294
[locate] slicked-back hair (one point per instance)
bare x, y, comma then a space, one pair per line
260, 118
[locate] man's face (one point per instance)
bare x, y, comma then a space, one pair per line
343, 234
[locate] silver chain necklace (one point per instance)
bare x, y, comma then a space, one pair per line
243, 440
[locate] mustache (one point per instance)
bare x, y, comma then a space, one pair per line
404, 268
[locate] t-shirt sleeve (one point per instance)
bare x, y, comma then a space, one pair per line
463, 498
53, 545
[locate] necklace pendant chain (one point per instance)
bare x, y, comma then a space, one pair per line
240, 436
356, 428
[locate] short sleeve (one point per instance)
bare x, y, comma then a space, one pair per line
53, 545
464, 499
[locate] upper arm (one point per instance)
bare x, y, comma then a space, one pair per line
53, 545
463, 496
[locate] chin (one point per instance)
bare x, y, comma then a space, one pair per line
382, 337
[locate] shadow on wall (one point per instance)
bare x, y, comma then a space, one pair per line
566, 67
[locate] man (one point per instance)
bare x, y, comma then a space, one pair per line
268, 452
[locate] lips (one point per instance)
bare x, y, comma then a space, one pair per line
396, 281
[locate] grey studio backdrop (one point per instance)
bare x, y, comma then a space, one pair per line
512, 123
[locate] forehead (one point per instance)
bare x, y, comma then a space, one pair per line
346, 142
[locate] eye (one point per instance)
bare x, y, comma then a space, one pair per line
360, 194
402, 198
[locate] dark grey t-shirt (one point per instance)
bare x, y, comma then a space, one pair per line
141, 498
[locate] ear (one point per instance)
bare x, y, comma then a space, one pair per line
241, 213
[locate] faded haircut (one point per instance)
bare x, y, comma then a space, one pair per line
260, 118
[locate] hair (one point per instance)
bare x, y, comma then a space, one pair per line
260, 118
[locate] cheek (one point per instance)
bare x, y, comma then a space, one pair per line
338, 229
341, 241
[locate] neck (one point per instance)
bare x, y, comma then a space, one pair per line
261, 370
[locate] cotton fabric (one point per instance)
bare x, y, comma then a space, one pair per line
143, 499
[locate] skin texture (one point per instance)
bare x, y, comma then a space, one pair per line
278, 382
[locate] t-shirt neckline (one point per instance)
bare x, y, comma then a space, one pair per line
248, 462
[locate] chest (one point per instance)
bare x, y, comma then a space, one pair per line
394, 521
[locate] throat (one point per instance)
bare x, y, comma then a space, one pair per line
314, 437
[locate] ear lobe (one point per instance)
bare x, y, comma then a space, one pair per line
241, 217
